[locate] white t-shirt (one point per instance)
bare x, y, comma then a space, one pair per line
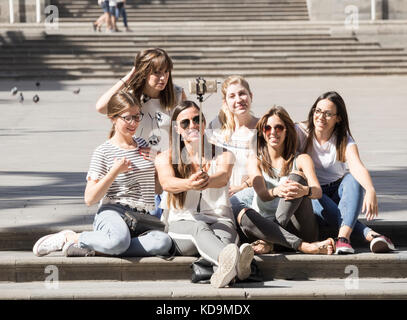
156, 122
240, 144
327, 167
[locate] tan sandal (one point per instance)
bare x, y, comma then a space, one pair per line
262, 247
325, 247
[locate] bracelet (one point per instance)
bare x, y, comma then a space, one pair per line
124, 82
247, 184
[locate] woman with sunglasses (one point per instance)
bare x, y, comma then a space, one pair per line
326, 137
233, 129
121, 180
284, 183
197, 208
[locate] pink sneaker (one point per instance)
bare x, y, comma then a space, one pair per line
381, 244
343, 246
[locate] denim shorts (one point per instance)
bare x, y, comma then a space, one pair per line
105, 6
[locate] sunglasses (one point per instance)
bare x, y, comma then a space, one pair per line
278, 128
185, 123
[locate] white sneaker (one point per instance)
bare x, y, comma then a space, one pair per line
226, 271
245, 259
50, 243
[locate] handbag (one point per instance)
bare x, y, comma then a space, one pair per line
139, 222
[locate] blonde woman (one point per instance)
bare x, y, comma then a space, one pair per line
234, 129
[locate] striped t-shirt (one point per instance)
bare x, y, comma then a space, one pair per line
135, 187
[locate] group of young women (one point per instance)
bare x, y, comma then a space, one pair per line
226, 190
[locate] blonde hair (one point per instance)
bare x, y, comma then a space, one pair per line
226, 117
118, 103
145, 63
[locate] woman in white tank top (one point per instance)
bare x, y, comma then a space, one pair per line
196, 205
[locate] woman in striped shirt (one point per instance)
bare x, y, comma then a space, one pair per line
121, 180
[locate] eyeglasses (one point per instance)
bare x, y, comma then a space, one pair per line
325, 114
136, 117
185, 123
278, 128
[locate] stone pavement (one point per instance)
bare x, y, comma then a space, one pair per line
46, 147
368, 288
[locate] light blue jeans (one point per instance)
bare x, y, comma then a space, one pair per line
242, 199
111, 236
341, 204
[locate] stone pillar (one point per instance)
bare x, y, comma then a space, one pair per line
24, 10
334, 10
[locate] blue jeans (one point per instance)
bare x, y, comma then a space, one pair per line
341, 204
111, 236
242, 199
157, 211
121, 11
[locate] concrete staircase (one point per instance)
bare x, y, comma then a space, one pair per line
189, 10
262, 50
208, 38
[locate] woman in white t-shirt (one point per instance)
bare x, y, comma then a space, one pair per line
234, 128
121, 180
326, 137
197, 208
150, 81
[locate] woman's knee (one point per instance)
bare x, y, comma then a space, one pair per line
161, 243
116, 245
349, 182
240, 215
298, 176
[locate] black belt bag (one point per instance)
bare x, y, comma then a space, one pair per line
140, 222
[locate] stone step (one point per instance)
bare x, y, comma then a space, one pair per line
24, 266
127, 58
88, 73
207, 51
23, 234
209, 67
190, 43
156, 294
201, 18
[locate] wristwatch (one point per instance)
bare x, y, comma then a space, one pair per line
309, 192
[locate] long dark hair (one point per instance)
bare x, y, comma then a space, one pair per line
146, 62
341, 129
181, 168
290, 142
